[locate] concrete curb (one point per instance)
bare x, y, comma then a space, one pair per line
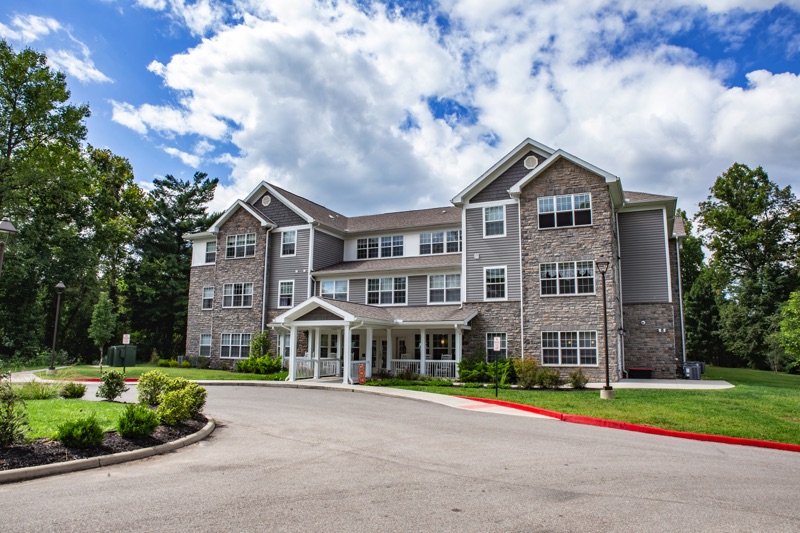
33, 472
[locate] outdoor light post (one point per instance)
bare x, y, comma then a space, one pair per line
607, 392
59, 291
6, 230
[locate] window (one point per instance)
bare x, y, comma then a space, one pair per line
454, 241
494, 221
284, 344
441, 344
285, 293
490, 345
211, 251
386, 291
205, 345
288, 243
569, 348
208, 297
237, 295
444, 288
495, 283
336, 290
565, 211
566, 278
392, 246
367, 248
242, 245
235, 345
328, 345
439, 242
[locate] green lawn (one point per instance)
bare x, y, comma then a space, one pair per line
44, 416
194, 374
763, 405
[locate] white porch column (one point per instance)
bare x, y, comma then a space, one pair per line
459, 347
293, 353
339, 344
370, 332
422, 349
389, 350
347, 355
316, 353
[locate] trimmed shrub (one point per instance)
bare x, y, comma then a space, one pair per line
181, 404
203, 362
548, 378
151, 385
36, 390
164, 363
73, 391
113, 385
475, 370
173, 363
259, 365
81, 433
137, 422
186, 364
526, 372
13, 418
578, 379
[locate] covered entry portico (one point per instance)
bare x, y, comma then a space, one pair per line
341, 336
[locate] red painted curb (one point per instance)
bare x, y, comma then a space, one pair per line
96, 380
613, 424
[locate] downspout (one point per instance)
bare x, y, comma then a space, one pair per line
265, 293
618, 280
680, 298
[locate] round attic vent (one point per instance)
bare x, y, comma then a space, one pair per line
530, 162
266, 200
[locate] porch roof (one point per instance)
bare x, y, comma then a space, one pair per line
397, 263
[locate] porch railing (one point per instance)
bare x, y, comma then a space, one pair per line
441, 369
328, 367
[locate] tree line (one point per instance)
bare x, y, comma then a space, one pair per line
83, 220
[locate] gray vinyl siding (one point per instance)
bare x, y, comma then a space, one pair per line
643, 257
496, 251
288, 268
417, 287
498, 189
358, 290
328, 250
281, 215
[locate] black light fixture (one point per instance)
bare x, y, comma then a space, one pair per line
607, 393
6, 230
59, 291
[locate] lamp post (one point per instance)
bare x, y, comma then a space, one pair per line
59, 291
607, 393
6, 230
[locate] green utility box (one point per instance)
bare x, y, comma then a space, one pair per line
121, 356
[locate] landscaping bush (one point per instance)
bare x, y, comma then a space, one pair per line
137, 421
203, 362
151, 385
475, 370
548, 378
259, 365
36, 390
81, 433
578, 379
163, 363
173, 363
526, 372
73, 391
186, 364
113, 385
181, 403
13, 418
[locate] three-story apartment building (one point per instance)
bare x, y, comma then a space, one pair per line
509, 269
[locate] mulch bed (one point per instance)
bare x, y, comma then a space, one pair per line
46, 451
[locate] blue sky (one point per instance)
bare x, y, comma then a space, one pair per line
402, 104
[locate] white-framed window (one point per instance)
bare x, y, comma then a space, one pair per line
241, 245
569, 348
571, 277
439, 242
288, 243
237, 295
205, 345
235, 345
211, 251
285, 293
368, 248
565, 211
453, 241
494, 221
386, 291
328, 345
490, 352
208, 297
443, 288
392, 246
333, 289
494, 282
284, 344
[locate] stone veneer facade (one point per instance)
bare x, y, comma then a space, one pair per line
583, 243
493, 317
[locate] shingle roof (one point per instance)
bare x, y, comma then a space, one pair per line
432, 313
633, 197
678, 229
395, 263
319, 213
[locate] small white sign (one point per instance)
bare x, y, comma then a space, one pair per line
497, 344
126, 338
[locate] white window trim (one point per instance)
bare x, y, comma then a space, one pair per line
483, 222
578, 332
245, 256
252, 287
495, 334
347, 292
505, 284
203, 298
366, 292
559, 294
200, 344
229, 345
205, 253
591, 212
281, 282
460, 289
283, 233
